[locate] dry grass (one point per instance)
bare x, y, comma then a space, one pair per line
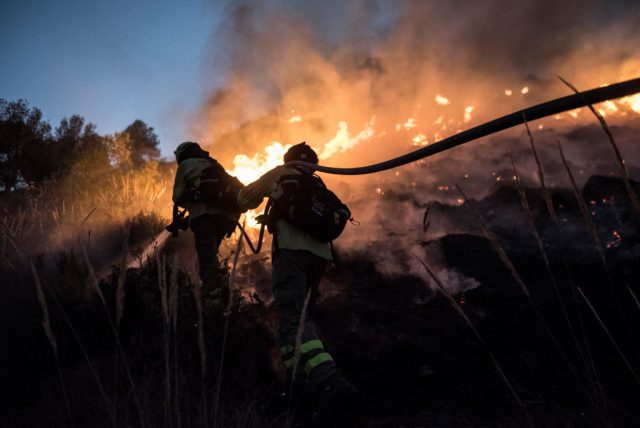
464, 316
122, 276
622, 166
545, 190
584, 210
227, 312
46, 325
502, 254
613, 341
496, 245
202, 348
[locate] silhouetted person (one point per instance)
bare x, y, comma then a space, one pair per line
299, 261
209, 219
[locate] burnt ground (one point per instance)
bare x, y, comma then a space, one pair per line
415, 361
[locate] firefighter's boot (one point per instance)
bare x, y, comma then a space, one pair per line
335, 395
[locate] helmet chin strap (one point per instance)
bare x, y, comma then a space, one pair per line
549, 108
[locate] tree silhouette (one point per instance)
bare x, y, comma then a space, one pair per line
73, 140
25, 141
143, 143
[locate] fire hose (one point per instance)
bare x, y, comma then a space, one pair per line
539, 111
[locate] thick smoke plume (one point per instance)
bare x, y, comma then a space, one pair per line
289, 71
366, 80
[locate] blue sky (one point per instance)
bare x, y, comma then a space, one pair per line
109, 61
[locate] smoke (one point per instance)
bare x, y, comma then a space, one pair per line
362, 81
334, 63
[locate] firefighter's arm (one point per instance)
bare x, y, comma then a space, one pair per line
180, 185
179, 221
252, 195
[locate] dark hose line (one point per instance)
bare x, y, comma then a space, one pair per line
539, 111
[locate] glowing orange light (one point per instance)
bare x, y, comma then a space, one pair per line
441, 100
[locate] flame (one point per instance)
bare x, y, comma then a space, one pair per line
441, 100
574, 113
467, 114
610, 106
617, 240
248, 169
409, 124
420, 139
343, 141
250, 218
633, 102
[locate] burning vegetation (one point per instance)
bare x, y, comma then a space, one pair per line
492, 285
458, 285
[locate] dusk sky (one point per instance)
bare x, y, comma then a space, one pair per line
113, 62
109, 61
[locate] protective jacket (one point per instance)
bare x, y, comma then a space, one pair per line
187, 179
288, 236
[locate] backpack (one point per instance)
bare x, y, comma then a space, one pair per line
218, 187
307, 204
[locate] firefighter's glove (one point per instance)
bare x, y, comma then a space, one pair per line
174, 229
177, 225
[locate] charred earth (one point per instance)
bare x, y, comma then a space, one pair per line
544, 344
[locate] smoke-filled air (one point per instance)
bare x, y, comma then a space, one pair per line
495, 283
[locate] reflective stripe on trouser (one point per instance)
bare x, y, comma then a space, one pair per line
294, 273
311, 356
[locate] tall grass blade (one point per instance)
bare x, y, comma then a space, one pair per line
93, 281
173, 315
606, 330
622, 166
122, 276
197, 295
545, 190
298, 350
113, 324
597, 244
516, 276
466, 319
227, 313
48, 331
592, 370
496, 245
543, 252
586, 215
633, 295
165, 336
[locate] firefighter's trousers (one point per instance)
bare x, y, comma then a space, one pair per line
209, 230
295, 272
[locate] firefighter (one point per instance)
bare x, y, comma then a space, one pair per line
210, 222
298, 263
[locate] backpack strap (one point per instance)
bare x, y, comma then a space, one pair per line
258, 247
272, 223
334, 255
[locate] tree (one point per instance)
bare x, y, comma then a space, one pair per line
25, 140
143, 143
73, 138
